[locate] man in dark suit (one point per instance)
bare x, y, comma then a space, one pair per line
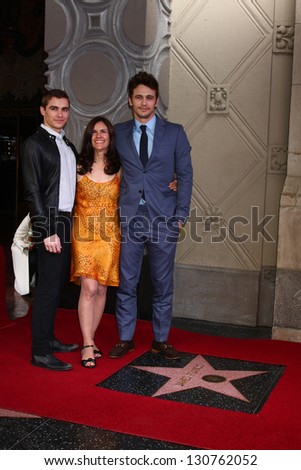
151, 152
49, 172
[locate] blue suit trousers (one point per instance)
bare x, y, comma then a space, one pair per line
159, 237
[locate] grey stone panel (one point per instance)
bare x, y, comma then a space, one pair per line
288, 299
266, 297
217, 295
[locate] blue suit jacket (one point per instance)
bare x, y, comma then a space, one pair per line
170, 155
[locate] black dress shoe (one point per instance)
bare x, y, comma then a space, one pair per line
50, 362
57, 346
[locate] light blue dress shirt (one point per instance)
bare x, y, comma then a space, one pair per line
150, 130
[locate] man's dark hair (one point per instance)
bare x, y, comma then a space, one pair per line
54, 93
143, 78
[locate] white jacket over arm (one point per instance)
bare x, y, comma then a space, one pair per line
20, 256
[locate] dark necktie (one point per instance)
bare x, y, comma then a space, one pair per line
143, 146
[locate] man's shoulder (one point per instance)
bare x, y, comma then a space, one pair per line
32, 140
168, 124
123, 125
39, 134
40, 139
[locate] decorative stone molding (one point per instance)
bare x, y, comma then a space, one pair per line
277, 156
218, 99
97, 46
94, 20
284, 35
213, 217
269, 274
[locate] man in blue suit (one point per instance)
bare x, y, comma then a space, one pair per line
151, 214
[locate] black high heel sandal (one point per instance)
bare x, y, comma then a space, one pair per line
91, 360
97, 353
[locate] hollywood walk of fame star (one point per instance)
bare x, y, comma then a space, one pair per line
199, 373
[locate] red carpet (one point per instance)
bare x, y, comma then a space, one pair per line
74, 396
4, 319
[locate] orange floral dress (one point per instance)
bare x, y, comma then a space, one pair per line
96, 235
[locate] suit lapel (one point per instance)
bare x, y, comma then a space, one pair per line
158, 136
131, 145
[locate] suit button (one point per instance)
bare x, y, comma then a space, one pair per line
140, 191
144, 171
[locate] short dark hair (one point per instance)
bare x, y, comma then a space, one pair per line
143, 78
54, 93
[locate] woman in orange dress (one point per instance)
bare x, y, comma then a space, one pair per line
96, 233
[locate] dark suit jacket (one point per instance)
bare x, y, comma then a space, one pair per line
170, 155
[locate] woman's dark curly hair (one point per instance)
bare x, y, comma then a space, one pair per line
86, 156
